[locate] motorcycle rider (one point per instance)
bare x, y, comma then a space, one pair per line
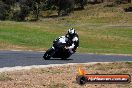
64, 46
73, 40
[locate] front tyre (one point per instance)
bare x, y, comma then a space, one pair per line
48, 54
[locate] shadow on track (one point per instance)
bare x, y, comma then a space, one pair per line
60, 59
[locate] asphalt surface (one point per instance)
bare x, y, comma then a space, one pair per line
25, 58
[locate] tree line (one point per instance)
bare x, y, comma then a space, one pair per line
19, 9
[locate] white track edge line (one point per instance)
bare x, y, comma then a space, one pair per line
8, 69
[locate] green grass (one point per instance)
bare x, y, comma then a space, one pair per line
19, 34
93, 26
26, 37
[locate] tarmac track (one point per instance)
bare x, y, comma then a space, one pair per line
28, 58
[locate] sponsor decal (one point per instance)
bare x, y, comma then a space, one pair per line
83, 78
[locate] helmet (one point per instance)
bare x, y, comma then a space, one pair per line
71, 33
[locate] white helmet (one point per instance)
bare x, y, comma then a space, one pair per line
71, 31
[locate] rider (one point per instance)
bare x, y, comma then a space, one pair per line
73, 40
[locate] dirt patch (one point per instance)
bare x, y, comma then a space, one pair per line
63, 77
122, 26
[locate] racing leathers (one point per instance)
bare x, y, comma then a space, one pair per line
73, 43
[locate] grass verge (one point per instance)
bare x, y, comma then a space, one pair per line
94, 26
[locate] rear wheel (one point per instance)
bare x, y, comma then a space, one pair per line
66, 55
63, 58
48, 54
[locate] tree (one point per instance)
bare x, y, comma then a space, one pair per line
22, 14
4, 11
9, 2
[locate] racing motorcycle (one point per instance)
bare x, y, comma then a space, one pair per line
58, 50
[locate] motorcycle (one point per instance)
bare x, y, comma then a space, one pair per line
58, 50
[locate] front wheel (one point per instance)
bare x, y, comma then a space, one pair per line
48, 54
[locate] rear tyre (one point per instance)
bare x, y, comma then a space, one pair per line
63, 58
66, 55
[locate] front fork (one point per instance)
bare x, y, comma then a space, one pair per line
52, 51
